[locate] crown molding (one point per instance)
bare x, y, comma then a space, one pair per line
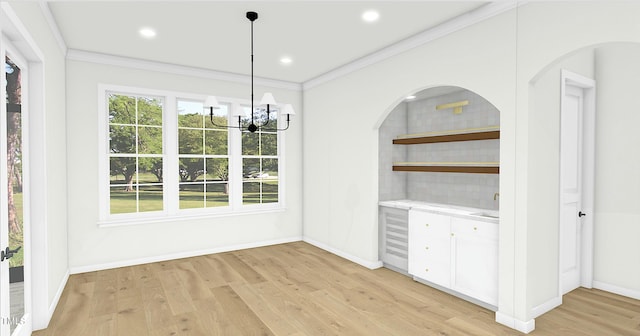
100, 58
53, 25
448, 27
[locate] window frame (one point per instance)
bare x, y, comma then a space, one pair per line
170, 160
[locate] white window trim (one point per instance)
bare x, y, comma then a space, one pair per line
170, 211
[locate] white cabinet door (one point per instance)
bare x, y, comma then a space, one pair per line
429, 247
474, 259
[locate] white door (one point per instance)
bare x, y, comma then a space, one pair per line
571, 187
14, 201
576, 180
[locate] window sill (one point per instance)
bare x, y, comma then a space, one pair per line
185, 216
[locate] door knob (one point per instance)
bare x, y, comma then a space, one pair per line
581, 214
7, 253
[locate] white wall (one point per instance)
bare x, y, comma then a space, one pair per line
91, 247
54, 232
547, 32
341, 207
617, 214
545, 115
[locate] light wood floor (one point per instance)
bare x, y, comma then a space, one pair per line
297, 289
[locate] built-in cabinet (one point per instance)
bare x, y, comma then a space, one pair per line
456, 253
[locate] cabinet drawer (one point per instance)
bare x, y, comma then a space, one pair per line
474, 227
436, 249
428, 224
428, 218
438, 272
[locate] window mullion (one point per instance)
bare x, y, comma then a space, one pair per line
235, 164
170, 155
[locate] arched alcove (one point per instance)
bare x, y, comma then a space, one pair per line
438, 111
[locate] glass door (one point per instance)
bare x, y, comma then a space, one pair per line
12, 248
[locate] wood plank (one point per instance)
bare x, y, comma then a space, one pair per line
105, 293
264, 308
158, 314
449, 169
103, 325
131, 319
177, 296
225, 273
213, 317
77, 308
238, 313
247, 273
190, 324
301, 309
127, 285
196, 287
489, 135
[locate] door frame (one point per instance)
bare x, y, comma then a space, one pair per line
38, 274
588, 87
13, 52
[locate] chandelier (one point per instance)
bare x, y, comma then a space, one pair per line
259, 114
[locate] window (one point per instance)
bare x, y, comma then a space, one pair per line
260, 163
162, 158
135, 153
203, 154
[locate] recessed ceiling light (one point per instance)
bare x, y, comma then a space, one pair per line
370, 16
411, 97
286, 60
147, 32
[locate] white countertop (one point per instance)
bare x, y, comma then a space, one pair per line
484, 215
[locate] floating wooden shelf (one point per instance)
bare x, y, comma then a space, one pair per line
450, 169
485, 135
469, 134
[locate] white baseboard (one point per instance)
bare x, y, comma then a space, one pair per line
140, 261
56, 298
513, 323
632, 293
546, 306
40, 324
363, 262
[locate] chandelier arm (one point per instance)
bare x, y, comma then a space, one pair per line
286, 128
267, 122
276, 129
221, 126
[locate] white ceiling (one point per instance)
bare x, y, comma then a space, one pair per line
318, 35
